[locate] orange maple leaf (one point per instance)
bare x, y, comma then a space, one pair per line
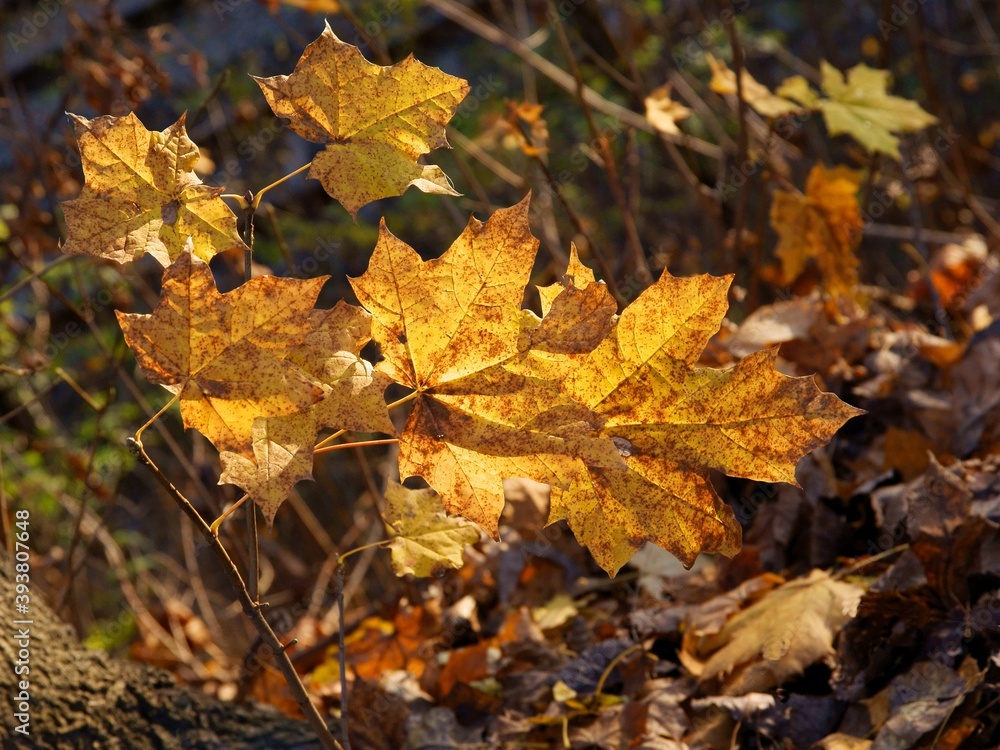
141, 195
376, 120
824, 224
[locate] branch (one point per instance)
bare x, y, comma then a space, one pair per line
250, 608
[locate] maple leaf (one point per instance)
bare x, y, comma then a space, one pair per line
756, 94
282, 457
620, 423
452, 329
663, 112
376, 120
824, 224
672, 422
141, 195
424, 541
860, 106
577, 312
226, 355
776, 637
329, 352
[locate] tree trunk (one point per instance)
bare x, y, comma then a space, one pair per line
85, 699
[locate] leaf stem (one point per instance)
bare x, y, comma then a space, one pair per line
327, 440
868, 561
235, 196
362, 548
359, 444
226, 513
290, 175
250, 608
612, 664
171, 402
399, 402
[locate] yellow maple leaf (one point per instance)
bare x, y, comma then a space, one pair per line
425, 541
141, 195
282, 457
672, 422
227, 355
860, 106
376, 120
756, 94
577, 312
451, 329
777, 637
824, 224
625, 428
329, 351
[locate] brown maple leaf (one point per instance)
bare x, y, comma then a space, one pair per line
452, 329
613, 414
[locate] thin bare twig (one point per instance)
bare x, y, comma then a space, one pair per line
743, 147
479, 25
250, 607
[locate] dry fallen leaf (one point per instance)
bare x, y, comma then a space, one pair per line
141, 195
378, 645
776, 637
777, 323
376, 121
425, 540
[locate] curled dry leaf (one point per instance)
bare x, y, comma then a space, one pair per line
777, 323
756, 94
776, 637
141, 195
663, 112
376, 121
